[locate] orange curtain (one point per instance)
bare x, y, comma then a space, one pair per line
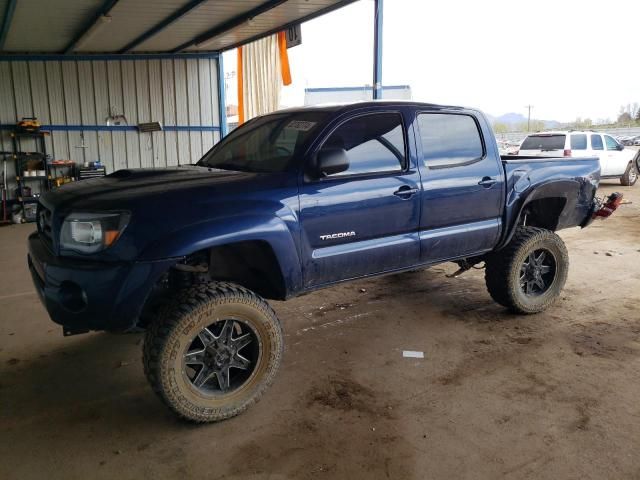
284, 59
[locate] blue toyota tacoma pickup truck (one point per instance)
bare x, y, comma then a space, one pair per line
292, 202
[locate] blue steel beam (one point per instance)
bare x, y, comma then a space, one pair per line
35, 57
228, 25
103, 10
6, 22
377, 49
174, 17
222, 99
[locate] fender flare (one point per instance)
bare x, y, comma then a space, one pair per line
227, 230
551, 189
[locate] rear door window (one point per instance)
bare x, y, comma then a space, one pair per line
449, 140
596, 142
611, 143
544, 143
578, 141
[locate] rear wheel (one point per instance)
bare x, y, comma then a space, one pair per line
213, 351
528, 275
630, 176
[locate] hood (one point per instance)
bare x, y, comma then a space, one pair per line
124, 188
167, 200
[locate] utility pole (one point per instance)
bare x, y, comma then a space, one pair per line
528, 107
377, 49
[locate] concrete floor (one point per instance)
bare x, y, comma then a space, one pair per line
553, 395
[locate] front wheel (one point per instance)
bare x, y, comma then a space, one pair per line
528, 275
630, 176
213, 351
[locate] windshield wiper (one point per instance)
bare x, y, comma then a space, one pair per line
226, 166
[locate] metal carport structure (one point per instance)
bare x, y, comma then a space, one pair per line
129, 29
72, 63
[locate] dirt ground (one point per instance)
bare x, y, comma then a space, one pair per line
555, 395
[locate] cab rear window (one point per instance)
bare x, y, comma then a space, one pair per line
543, 142
579, 141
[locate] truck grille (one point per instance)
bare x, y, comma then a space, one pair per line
45, 224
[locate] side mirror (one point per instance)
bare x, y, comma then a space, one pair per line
620, 146
330, 161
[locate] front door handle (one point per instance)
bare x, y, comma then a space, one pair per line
487, 182
406, 191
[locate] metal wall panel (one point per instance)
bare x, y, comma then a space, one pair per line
7, 114
114, 79
87, 110
182, 110
130, 109
156, 112
193, 96
207, 113
72, 94
169, 105
72, 110
145, 144
39, 96
60, 140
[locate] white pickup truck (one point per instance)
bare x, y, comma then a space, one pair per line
616, 161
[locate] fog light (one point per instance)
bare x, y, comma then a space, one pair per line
72, 297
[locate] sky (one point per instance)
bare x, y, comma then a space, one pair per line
567, 58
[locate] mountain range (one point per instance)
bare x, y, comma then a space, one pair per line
516, 119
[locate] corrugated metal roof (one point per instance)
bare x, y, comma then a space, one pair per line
203, 18
286, 13
129, 19
46, 26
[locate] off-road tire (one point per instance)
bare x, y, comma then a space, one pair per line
502, 272
630, 176
188, 312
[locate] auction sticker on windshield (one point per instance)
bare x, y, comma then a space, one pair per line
301, 125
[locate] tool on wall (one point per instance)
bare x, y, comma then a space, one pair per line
149, 127
28, 125
115, 118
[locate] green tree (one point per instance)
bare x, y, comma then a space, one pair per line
532, 126
580, 124
624, 118
499, 127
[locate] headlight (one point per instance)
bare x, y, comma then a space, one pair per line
92, 232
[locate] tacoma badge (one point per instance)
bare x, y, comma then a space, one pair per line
337, 235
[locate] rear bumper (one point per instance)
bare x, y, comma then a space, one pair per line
83, 295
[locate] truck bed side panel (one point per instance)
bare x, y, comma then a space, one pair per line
573, 181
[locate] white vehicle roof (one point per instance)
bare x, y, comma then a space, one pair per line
567, 132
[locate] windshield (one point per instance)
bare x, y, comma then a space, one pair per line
543, 142
265, 144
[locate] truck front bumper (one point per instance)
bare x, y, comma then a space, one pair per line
83, 295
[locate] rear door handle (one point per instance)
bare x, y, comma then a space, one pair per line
487, 182
406, 191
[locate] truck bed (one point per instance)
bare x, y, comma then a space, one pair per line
571, 180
